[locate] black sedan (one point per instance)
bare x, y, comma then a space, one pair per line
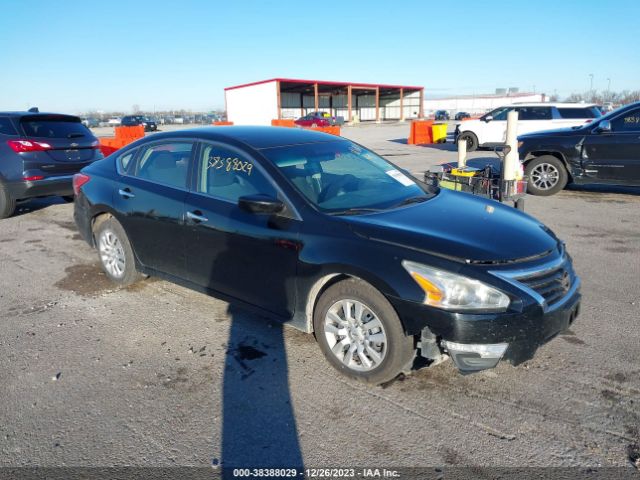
135, 120
605, 151
331, 238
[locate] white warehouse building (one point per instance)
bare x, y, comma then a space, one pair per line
280, 98
479, 104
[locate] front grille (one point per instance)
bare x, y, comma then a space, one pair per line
552, 285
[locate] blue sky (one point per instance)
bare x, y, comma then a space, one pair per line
77, 55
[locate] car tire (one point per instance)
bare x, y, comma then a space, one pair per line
115, 252
7, 203
546, 175
472, 140
376, 354
68, 198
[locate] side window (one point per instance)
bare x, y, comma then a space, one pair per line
166, 163
627, 122
576, 112
124, 161
6, 128
534, 113
225, 174
501, 114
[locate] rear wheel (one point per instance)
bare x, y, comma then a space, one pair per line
68, 198
7, 203
471, 139
360, 333
547, 175
115, 252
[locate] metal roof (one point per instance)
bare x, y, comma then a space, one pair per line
327, 83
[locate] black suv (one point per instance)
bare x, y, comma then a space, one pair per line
605, 151
39, 153
135, 120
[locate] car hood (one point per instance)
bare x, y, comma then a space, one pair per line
558, 132
459, 226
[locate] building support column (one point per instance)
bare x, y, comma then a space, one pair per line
279, 100
421, 110
377, 104
301, 105
315, 95
349, 103
402, 104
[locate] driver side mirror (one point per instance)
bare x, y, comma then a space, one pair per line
260, 204
488, 118
603, 126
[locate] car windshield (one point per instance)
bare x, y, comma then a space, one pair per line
344, 178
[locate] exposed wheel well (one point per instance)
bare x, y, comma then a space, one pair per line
316, 292
539, 153
96, 221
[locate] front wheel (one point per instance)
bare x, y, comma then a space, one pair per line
547, 175
115, 252
471, 139
360, 333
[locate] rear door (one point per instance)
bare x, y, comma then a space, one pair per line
149, 198
614, 157
71, 145
534, 119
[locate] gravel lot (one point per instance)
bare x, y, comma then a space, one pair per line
157, 375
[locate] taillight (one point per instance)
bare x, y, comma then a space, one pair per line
33, 178
79, 179
20, 146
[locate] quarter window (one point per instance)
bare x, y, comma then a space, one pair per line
166, 163
125, 160
5, 127
627, 122
226, 174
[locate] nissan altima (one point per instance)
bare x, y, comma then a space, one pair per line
331, 238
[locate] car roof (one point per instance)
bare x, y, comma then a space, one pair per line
553, 104
35, 114
254, 136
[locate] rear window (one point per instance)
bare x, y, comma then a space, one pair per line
51, 128
578, 112
6, 128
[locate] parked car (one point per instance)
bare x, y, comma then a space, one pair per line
605, 151
462, 116
315, 119
91, 122
326, 235
442, 115
135, 120
39, 153
114, 121
490, 129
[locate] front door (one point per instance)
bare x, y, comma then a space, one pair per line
614, 157
150, 201
247, 256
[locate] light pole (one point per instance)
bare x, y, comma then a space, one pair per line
591, 82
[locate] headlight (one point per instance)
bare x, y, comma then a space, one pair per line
449, 291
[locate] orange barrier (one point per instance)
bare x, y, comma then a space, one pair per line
283, 123
420, 132
333, 130
219, 124
124, 136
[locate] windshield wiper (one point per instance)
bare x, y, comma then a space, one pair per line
410, 200
356, 211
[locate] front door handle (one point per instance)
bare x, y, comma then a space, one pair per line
197, 217
126, 193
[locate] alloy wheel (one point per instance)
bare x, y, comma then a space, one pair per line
355, 335
545, 176
112, 253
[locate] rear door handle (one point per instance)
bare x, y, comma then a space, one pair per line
126, 193
197, 217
